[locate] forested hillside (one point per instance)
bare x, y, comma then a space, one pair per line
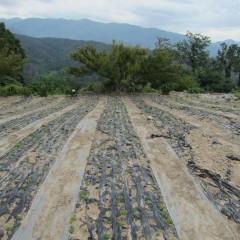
51, 54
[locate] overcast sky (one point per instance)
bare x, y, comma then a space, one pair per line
218, 19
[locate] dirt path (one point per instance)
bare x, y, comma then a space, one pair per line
193, 215
49, 215
15, 137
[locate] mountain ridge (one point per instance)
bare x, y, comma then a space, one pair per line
50, 27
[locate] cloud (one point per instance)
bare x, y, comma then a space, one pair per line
207, 16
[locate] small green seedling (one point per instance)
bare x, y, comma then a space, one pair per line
71, 230
73, 219
123, 212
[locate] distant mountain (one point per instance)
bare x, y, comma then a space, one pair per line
89, 30
51, 54
95, 31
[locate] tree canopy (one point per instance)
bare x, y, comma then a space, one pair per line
192, 51
130, 68
12, 56
120, 67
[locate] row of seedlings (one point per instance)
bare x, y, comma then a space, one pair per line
229, 124
24, 167
119, 197
220, 99
209, 106
221, 193
15, 103
29, 105
20, 122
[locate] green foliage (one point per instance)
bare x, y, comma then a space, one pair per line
106, 236
192, 51
196, 90
52, 54
11, 90
12, 56
71, 230
52, 83
236, 93
26, 92
120, 223
164, 213
169, 221
19, 217
7, 80
148, 88
73, 219
229, 59
214, 81
162, 71
123, 212
186, 82
10, 228
83, 195
121, 67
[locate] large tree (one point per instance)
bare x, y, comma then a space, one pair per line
192, 51
236, 65
122, 66
163, 72
12, 56
228, 57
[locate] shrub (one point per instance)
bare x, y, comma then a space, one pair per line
11, 90
148, 89
236, 93
26, 92
196, 90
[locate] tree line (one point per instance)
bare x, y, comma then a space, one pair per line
186, 65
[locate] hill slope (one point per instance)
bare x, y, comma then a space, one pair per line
50, 54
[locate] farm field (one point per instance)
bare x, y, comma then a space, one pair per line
142, 166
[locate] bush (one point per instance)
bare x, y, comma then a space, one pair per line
148, 89
26, 92
14, 89
196, 90
6, 80
213, 81
236, 93
186, 83
42, 92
